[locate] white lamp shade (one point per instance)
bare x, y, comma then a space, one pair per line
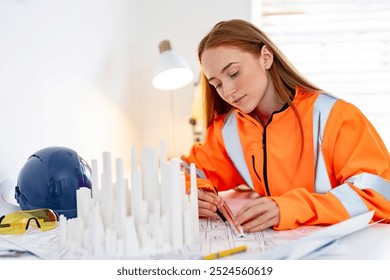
171, 72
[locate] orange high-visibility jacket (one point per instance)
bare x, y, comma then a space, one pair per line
338, 169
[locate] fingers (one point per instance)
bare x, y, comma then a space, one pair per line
258, 214
205, 213
251, 203
209, 197
260, 223
208, 203
206, 208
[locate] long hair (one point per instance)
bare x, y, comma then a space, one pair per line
249, 38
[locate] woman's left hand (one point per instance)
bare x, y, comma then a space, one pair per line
258, 214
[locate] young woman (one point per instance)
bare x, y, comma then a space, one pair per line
311, 157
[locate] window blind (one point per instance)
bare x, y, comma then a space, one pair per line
341, 46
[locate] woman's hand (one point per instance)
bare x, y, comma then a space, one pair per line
258, 214
207, 204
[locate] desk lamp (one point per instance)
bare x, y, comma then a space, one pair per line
172, 71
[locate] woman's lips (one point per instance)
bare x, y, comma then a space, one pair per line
238, 100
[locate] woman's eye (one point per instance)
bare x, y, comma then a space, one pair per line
217, 86
234, 74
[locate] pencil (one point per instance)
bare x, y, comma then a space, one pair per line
225, 253
219, 211
221, 216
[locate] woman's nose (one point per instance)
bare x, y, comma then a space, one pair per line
230, 90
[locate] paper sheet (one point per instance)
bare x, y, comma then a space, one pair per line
310, 246
306, 242
44, 245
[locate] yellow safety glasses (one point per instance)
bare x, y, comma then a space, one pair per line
18, 222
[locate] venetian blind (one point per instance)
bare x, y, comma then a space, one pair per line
342, 46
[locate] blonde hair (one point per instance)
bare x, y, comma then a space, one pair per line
249, 38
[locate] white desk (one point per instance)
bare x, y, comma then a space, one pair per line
372, 243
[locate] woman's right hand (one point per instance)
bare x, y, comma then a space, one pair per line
208, 204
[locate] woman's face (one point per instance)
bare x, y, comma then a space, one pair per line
239, 77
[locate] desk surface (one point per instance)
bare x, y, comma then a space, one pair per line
371, 243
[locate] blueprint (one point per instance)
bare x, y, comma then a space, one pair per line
214, 236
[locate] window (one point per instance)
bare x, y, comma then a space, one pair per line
341, 46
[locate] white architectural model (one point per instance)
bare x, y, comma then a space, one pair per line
148, 217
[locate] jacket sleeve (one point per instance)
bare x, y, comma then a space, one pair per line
358, 165
211, 159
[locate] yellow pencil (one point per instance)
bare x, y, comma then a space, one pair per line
225, 253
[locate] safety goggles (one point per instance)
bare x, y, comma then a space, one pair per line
18, 222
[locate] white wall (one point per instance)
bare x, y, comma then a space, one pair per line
65, 78
184, 23
77, 73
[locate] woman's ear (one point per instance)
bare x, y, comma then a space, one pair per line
267, 57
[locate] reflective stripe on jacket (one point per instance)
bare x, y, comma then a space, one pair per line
339, 169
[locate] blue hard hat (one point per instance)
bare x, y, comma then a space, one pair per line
50, 178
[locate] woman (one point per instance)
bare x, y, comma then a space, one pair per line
312, 158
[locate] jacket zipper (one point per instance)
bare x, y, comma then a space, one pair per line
254, 167
265, 159
285, 106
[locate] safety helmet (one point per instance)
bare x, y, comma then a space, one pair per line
50, 178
